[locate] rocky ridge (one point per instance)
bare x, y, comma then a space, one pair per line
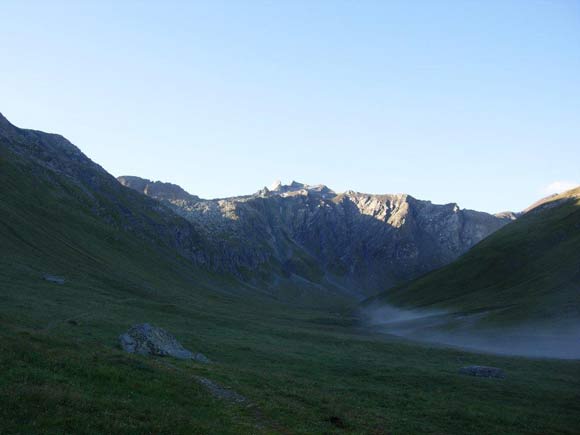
300, 238
356, 241
76, 180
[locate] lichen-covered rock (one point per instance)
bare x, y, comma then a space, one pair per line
482, 372
146, 339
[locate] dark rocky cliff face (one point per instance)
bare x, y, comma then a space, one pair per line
307, 238
354, 241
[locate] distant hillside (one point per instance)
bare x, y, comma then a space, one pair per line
527, 273
296, 243
56, 201
357, 242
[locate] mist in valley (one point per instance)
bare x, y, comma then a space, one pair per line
467, 331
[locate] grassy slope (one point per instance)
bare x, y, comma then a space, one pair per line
528, 271
299, 367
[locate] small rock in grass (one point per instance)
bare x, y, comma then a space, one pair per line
201, 358
483, 372
54, 279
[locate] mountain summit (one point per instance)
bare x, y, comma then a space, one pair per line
297, 242
352, 242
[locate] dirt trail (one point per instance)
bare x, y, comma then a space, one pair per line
226, 394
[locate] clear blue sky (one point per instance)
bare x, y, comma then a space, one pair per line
475, 102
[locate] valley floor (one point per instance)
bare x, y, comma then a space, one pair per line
302, 371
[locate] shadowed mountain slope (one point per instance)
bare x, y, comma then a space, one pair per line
358, 242
297, 243
62, 181
52, 191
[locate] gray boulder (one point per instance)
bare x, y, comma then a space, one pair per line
483, 372
54, 279
200, 357
146, 339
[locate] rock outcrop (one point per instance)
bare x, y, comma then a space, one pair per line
54, 279
146, 339
355, 241
157, 189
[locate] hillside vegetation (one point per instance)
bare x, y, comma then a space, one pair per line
303, 371
527, 273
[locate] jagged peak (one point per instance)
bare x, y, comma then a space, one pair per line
391, 196
157, 189
295, 187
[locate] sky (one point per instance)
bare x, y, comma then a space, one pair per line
474, 102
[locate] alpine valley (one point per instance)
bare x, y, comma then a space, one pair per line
311, 238
296, 309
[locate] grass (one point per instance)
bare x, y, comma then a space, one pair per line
306, 371
50, 385
529, 269
299, 369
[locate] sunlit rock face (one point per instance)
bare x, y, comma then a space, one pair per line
360, 242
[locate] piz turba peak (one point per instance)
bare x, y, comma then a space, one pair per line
133, 306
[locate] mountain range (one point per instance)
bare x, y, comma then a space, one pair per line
299, 242
352, 243
275, 289
295, 242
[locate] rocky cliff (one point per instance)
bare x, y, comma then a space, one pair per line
354, 241
295, 239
